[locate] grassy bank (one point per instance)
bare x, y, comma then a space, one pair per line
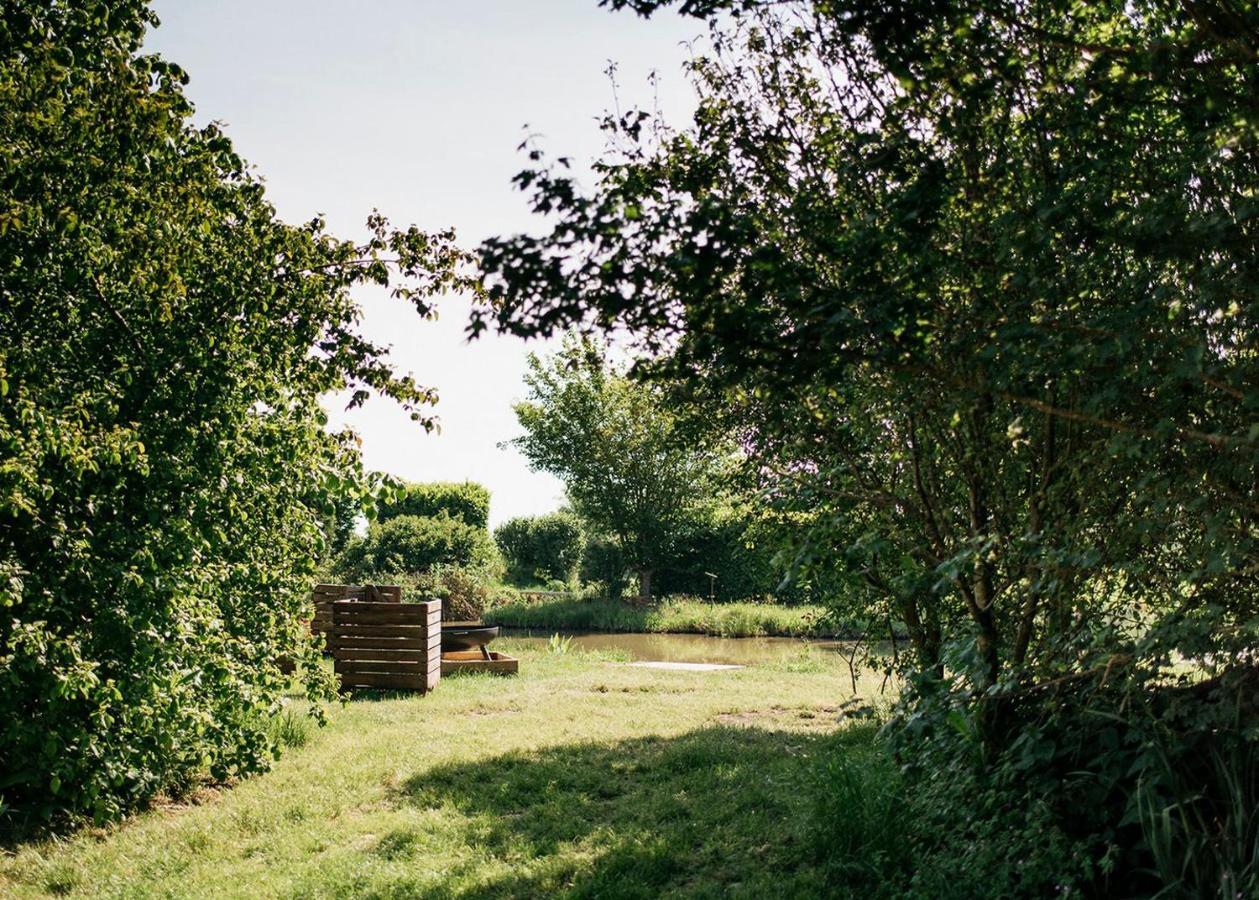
676, 615
580, 777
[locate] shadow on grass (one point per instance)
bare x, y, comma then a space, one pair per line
715, 812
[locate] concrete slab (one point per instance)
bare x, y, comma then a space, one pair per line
684, 666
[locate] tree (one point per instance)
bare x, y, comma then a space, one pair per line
548, 547
980, 288
976, 284
166, 471
630, 470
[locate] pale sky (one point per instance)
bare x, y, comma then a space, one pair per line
416, 107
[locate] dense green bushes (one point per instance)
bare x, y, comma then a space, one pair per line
1110, 785
431, 539
542, 548
466, 501
165, 470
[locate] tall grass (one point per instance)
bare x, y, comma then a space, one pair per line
1205, 843
679, 615
859, 835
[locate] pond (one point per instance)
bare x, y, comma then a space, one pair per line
692, 648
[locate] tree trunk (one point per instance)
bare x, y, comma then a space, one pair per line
644, 584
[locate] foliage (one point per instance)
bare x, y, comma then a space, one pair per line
604, 565
559, 645
631, 471
467, 501
164, 464
976, 284
1120, 781
465, 593
542, 548
890, 247
415, 544
678, 615
859, 821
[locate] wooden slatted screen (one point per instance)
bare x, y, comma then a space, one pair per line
386, 645
325, 595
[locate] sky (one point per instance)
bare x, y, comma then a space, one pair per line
417, 108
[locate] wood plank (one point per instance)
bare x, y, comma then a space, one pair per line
350, 642
386, 605
350, 667
394, 682
378, 618
399, 615
381, 631
362, 606
415, 654
472, 661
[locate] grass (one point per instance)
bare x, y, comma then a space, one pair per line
578, 778
676, 615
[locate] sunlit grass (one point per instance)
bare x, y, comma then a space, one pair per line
579, 777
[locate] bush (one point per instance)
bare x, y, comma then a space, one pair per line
1116, 782
726, 546
466, 501
416, 544
165, 466
542, 548
465, 593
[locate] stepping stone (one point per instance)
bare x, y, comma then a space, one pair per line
684, 666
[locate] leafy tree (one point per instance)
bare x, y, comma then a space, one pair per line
466, 500
976, 284
976, 281
631, 471
165, 467
547, 547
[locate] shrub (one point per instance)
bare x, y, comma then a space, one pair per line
165, 467
465, 593
1115, 782
542, 548
415, 544
466, 501
726, 546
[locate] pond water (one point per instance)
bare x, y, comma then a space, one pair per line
694, 648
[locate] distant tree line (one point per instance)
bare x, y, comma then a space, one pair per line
655, 493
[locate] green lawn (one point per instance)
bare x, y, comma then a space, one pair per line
582, 777
671, 615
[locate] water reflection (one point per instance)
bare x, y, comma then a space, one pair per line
685, 647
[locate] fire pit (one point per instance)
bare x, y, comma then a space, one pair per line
467, 636
464, 650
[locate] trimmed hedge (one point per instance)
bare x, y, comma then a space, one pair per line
415, 544
466, 501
